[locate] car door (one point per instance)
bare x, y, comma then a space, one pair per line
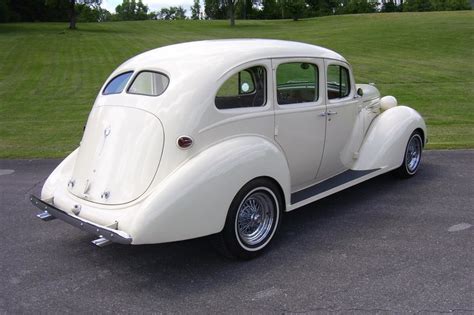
342, 107
300, 123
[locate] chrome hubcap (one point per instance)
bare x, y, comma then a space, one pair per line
255, 217
413, 155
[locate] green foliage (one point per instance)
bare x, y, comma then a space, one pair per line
294, 8
4, 12
31, 11
172, 13
49, 78
450, 5
417, 6
428, 5
131, 10
92, 14
221, 9
244, 10
270, 10
281, 9
71, 6
390, 7
358, 6
214, 10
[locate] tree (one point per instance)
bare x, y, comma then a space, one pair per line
295, 8
359, 6
230, 6
172, 13
214, 9
244, 9
390, 6
87, 13
72, 8
4, 11
417, 5
270, 9
131, 10
458, 5
449, 5
196, 10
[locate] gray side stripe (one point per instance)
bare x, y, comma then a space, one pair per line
328, 184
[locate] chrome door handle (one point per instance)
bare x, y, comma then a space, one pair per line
323, 114
330, 112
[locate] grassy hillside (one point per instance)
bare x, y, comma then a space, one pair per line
49, 76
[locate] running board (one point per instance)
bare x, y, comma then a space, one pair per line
328, 184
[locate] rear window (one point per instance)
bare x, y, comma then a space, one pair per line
117, 84
149, 83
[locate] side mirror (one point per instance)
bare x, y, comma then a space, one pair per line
360, 92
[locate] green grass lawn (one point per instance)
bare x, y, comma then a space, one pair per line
49, 76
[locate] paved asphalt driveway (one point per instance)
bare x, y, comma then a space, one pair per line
385, 246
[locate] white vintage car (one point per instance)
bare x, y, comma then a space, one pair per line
223, 136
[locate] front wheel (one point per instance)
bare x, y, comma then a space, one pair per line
253, 218
412, 157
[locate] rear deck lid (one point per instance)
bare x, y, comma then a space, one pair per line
119, 155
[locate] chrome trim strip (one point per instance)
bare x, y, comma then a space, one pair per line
115, 236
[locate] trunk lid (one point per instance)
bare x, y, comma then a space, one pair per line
119, 155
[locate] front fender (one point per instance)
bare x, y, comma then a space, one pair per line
193, 201
386, 140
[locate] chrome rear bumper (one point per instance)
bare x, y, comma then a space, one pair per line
50, 212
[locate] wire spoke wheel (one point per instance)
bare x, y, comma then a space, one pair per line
412, 157
413, 154
255, 217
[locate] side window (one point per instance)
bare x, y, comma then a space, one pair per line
117, 84
244, 89
338, 82
297, 82
149, 83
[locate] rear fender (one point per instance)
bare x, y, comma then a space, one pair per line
386, 140
194, 200
59, 176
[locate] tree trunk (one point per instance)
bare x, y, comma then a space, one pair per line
72, 14
231, 13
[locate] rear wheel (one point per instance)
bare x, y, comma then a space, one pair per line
253, 219
412, 157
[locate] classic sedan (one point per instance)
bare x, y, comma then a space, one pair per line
221, 137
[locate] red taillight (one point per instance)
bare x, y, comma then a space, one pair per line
185, 142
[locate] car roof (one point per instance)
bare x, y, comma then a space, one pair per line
222, 55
